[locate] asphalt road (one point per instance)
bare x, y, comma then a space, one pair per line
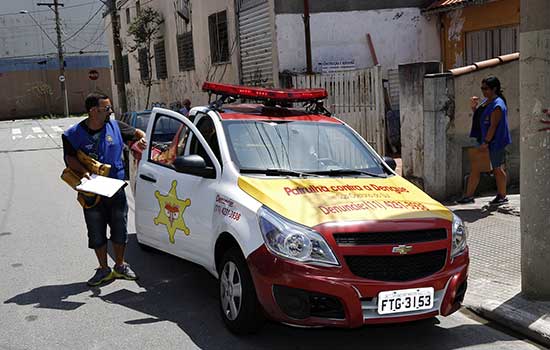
44, 263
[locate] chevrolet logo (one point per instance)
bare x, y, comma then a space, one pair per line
402, 249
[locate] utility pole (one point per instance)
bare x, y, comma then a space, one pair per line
309, 68
55, 7
535, 148
117, 46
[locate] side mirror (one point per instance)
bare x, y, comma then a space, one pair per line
194, 165
391, 163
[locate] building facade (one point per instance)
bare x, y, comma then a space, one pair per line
258, 42
476, 30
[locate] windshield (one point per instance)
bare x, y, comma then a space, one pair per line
298, 146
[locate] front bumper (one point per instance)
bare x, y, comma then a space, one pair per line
358, 296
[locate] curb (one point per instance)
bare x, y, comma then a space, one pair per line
534, 327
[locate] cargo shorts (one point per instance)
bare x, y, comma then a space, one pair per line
112, 212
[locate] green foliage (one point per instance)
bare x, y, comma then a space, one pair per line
145, 28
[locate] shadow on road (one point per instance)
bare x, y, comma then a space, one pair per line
187, 295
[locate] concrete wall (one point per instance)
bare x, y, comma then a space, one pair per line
187, 84
500, 13
436, 121
411, 106
439, 110
399, 36
20, 97
468, 85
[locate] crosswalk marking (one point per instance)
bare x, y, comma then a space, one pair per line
38, 132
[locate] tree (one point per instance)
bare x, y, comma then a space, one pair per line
144, 30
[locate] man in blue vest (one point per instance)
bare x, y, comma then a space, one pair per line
103, 139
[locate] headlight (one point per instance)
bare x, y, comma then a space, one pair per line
459, 236
293, 241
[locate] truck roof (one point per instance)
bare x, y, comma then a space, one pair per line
270, 113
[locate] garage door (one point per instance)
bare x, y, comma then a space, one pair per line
255, 35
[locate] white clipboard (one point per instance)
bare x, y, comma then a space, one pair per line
104, 186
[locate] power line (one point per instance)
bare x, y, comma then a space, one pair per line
84, 26
97, 38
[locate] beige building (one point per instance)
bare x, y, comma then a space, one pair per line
262, 42
182, 56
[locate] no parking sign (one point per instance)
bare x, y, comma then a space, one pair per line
93, 74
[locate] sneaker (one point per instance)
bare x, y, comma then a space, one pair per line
499, 200
466, 200
101, 275
125, 272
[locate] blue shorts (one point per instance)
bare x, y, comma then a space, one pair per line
109, 211
498, 157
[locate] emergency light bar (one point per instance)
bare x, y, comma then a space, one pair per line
264, 94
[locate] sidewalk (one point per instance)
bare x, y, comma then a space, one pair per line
494, 283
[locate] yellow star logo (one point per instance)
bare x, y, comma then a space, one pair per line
171, 212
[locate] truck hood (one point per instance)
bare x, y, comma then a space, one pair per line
316, 201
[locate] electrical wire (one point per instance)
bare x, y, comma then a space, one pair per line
85, 24
97, 38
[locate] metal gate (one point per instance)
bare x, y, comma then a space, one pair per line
356, 97
255, 36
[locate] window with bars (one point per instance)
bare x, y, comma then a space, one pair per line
186, 55
219, 40
143, 64
125, 69
486, 44
160, 60
128, 18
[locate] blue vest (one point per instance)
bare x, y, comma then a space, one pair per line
108, 149
502, 136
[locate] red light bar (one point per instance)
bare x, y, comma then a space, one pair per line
256, 93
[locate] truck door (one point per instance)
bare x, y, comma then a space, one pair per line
169, 189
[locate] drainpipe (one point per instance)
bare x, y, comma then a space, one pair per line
307, 31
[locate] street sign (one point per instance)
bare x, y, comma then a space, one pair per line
61, 78
93, 74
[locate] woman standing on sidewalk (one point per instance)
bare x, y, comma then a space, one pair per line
490, 128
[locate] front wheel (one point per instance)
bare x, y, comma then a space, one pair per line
240, 309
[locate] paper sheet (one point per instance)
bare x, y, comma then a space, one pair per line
101, 185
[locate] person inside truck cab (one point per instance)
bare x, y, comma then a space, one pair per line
208, 131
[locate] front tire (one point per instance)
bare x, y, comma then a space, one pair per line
239, 306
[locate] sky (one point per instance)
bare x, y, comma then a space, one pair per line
21, 36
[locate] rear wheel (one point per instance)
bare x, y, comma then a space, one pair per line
240, 309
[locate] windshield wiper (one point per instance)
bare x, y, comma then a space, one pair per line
276, 172
336, 172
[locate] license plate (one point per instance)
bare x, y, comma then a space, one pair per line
404, 300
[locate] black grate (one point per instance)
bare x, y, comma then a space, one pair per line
219, 38
399, 237
143, 59
397, 268
126, 69
186, 54
160, 60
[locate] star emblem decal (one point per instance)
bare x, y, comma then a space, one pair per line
171, 210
